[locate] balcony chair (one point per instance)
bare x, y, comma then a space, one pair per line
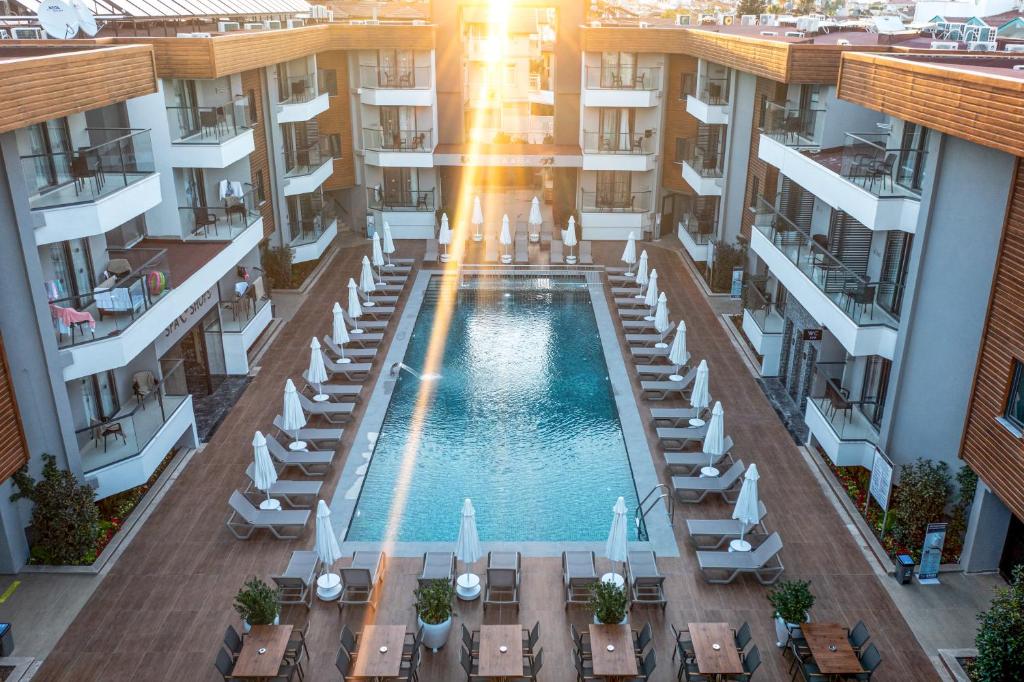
144, 384
202, 219
234, 205
298, 91
81, 171
104, 428
838, 400
208, 121
714, 93
864, 297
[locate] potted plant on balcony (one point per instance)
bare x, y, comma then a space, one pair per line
608, 603
257, 604
792, 601
434, 612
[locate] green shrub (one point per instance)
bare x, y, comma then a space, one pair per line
608, 602
1000, 638
921, 499
727, 257
434, 602
791, 600
65, 520
277, 265
257, 603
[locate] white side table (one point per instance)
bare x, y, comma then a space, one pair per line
696, 423
614, 579
296, 445
739, 546
270, 505
709, 472
328, 587
467, 586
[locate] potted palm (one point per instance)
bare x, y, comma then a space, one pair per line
434, 612
608, 603
792, 601
257, 604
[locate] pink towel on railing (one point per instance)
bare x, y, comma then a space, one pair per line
70, 316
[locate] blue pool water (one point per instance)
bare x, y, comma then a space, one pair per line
523, 422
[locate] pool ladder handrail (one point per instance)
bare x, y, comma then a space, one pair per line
657, 494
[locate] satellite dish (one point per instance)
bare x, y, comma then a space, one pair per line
86, 21
58, 19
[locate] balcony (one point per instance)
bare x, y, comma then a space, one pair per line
242, 321
793, 127
762, 325
710, 104
625, 151
302, 99
702, 170
613, 214
623, 86
313, 233
221, 223
92, 190
541, 90
122, 452
837, 422
400, 200
399, 148
308, 167
845, 302
163, 279
408, 86
210, 137
864, 178
696, 231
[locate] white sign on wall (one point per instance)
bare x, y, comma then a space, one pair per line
182, 323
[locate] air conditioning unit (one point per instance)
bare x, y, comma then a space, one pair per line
842, 41
683, 19
644, 24
296, 23
272, 25
318, 11
27, 33
794, 34
253, 27
225, 26
4, 35
981, 46
1014, 47
748, 20
769, 33
945, 45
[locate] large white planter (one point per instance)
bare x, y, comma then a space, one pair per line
783, 630
435, 636
624, 620
246, 627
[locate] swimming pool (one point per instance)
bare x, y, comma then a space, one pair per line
523, 422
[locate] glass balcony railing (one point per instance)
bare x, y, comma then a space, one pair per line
482, 135
113, 439
707, 162
308, 158
209, 125
623, 77
239, 309
884, 171
143, 280
311, 225
614, 201
394, 78
846, 415
224, 222
398, 140
113, 159
400, 200
855, 294
759, 306
301, 89
793, 127
700, 227
713, 90
642, 142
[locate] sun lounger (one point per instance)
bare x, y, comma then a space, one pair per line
633, 313
678, 439
351, 392
287, 490
648, 340
657, 372
616, 270
363, 324
663, 390
555, 255
696, 488
362, 341
645, 581
335, 413
245, 518
352, 371
295, 585
630, 302
504, 570
437, 566
579, 576
377, 312
545, 234
400, 261
675, 417
721, 568
637, 325
360, 353
713, 533
315, 437
490, 250
688, 463
586, 252
624, 288
379, 299
360, 579
430, 256
386, 288
396, 278
648, 353
522, 248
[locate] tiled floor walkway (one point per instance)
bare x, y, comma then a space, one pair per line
161, 612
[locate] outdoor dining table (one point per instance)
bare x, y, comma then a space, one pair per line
831, 649
712, 661
495, 663
262, 652
379, 656
617, 662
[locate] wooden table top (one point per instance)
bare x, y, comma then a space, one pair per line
842, 661
618, 663
725, 660
493, 663
273, 638
369, 661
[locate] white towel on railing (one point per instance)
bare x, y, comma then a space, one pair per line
230, 188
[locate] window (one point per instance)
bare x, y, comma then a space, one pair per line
755, 190
875, 388
330, 83
334, 144
687, 84
682, 149
1015, 403
763, 111
254, 109
260, 193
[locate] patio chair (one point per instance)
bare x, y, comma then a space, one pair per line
751, 662
581, 642
742, 638
545, 234
232, 642
645, 581
297, 494
343, 662
437, 566
863, 297
647, 665
309, 462
721, 568
579, 576
245, 518
584, 668
531, 637
679, 439
683, 647
349, 640
224, 665
503, 576
295, 585
360, 579
203, 219
675, 417
470, 665
713, 533
556, 256
694, 489
633, 312
144, 384
858, 636
430, 255
334, 413
522, 254
586, 252
471, 640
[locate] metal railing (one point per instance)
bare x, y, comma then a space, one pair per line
398, 140
793, 127
400, 200
217, 223
623, 77
659, 493
853, 293
713, 90
301, 89
503, 136
883, 171
614, 201
209, 125
307, 159
761, 309
113, 159
310, 226
603, 142
394, 78
707, 163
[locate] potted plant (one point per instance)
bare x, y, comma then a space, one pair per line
434, 612
257, 604
608, 602
792, 601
